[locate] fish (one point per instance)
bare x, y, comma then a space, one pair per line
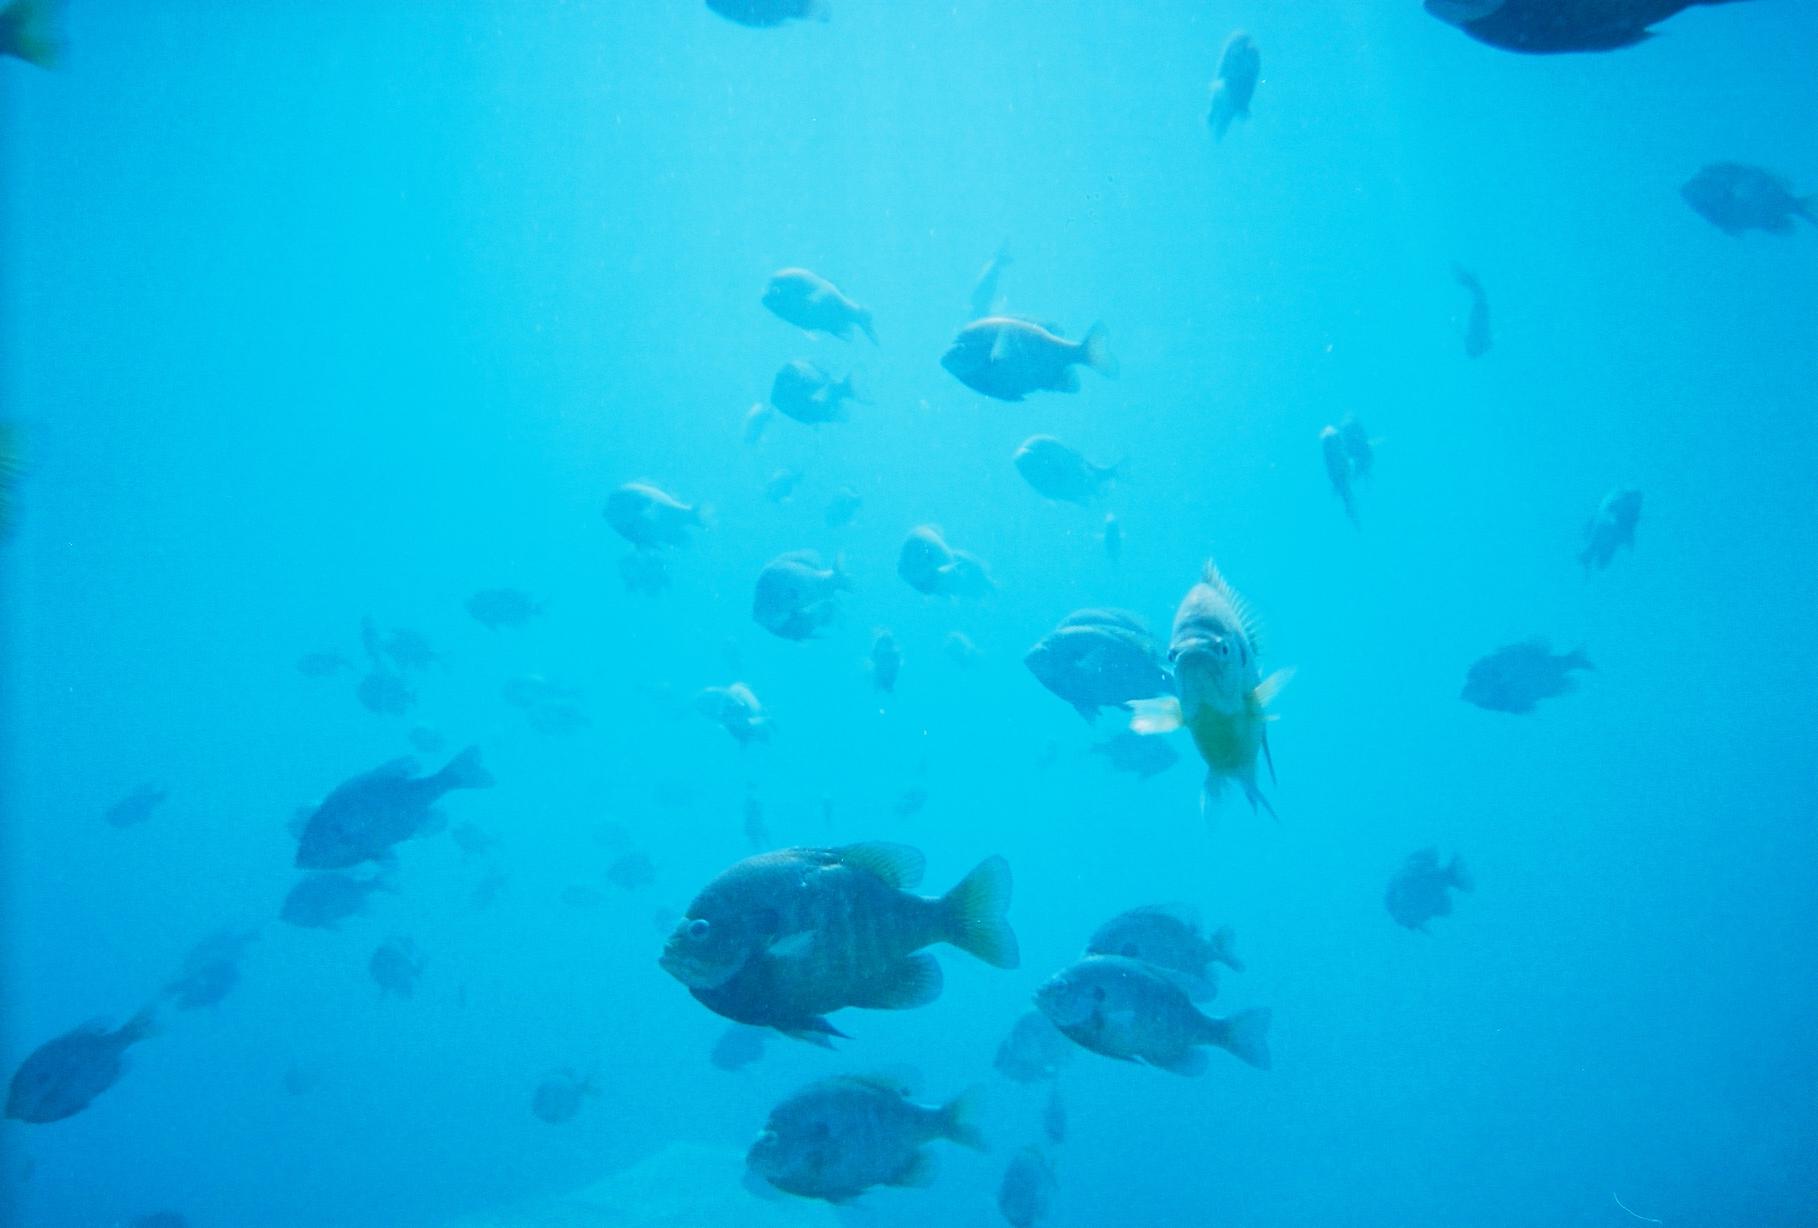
763, 14
136, 807
1132, 752
1549, 27
1338, 469
842, 507
651, 518
369, 813
558, 1097
815, 305
933, 568
1239, 66
1421, 889
28, 32
502, 607
645, 573
1516, 677
408, 649
796, 596
325, 899
1222, 696
783, 938
473, 841
63, 1076
987, 297
1126, 1009
1061, 473
736, 710
802, 391
1099, 658
1025, 1196
838, 1137
1737, 198
1033, 1051
1054, 1115
1612, 528
386, 692
485, 893
886, 660
1358, 445
782, 485
737, 1047
1113, 536
1477, 338
1007, 358
210, 970
631, 871
395, 966
910, 802
322, 664
1168, 937
960, 649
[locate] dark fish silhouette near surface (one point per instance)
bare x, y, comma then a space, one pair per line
1126, 1009
1100, 659
762, 14
1545, 27
1736, 198
1422, 888
1008, 358
1517, 677
367, 815
1239, 67
1612, 528
62, 1077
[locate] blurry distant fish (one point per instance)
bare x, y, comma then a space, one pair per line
1059, 472
322, 664
961, 650
410, 649
642, 572
782, 485
1737, 198
1612, 528
757, 831
886, 660
1054, 1115
1099, 659
838, 1137
803, 391
61, 1077
651, 518
485, 893
323, 900
1126, 1009
368, 814
558, 1098
502, 607
1239, 66
796, 596
425, 739
395, 966
737, 1047
910, 801
27, 32
814, 304
631, 871
1132, 752
736, 710
1026, 1194
1113, 535
471, 840
386, 692
135, 807
582, 896
987, 297
1338, 469
210, 970
1223, 696
551, 707
930, 566
1421, 889
842, 507
762, 14
1033, 1051
1517, 677
1477, 339
757, 419
1544, 27
1169, 937
1358, 445
1008, 358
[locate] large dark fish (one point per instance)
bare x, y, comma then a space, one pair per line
365, 816
762, 14
1422, 888
1100, 659
1126, 1009
1736, 198
838, 1137
1545, 27
1516, 677
61, 1077
1008, 358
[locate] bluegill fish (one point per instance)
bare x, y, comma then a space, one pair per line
838, 1137
1126, 1009
1239, 67
814, 304
1007, 358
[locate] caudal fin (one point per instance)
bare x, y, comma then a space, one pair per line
959, 1120
1245, 1036
1224, 948
1095, 351
465, 771
976, 914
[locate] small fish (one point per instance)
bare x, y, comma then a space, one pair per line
737, 1047
933, 568
395, 966
796, 596
815, 305
1516, 677
502, 607
471, 840
909, 803
804, 392
325, 899
960, 649
838, 1137
645, 573
1168, 937
1113, 534
1126, 1009
1548, 27
1358, 445
1421, 889
1099, 659
322, 664
1338, 469
1223, 697
1239, 67
842, 507
651, 518
409, 650
763, 14
886, 661
1612, 528
1133, 753
1007, 358
28, 32
736, 710
631, 871
368, 814
987, 298
1033, 1051
782, 484
1477, 338
1737, 198
136, 807
1061, 473
63, 1076
210, 970
1026, 1194
558, 1098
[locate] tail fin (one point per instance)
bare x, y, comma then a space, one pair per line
959, 1120
26, 32
1224, 948
140, 1026
1577, 660
1460, 875
465, 771
867, 327
975, 911
1095, 351
1245, 1036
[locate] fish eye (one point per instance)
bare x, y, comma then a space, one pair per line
1224, 647
698, 928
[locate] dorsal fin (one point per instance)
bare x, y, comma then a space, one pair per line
1246, 617
899, 865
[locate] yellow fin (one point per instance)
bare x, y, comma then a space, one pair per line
1159, 715
1270, 687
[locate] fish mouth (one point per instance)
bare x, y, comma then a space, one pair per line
692, 972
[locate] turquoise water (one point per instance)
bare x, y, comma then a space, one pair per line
314, 313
